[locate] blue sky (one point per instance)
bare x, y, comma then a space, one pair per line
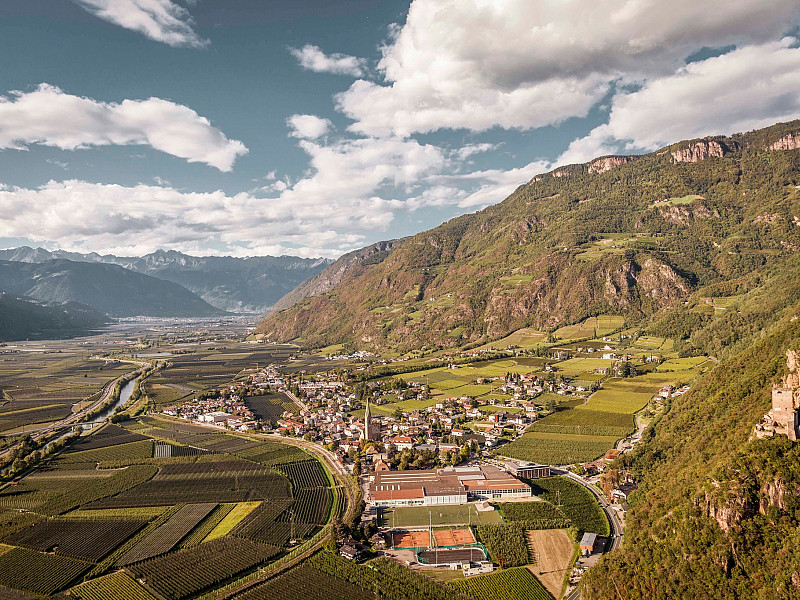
314, 127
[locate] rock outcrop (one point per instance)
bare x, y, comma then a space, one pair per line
601, 165
790, 141
702, 150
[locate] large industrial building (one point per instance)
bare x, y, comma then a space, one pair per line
528, 470
451, 485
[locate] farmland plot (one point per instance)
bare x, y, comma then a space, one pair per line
87, 540
186, 572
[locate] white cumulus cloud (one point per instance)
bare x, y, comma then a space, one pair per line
476, 64
314, 59
160, 20
748, 88
51, 117
353, 189
308, 127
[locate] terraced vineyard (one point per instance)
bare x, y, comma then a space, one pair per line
39, 573
308, 583
186, 572
391, 579
574, 501
166, 537
505, 542
207, 526
558, 448
270, 407
509, 584
182, 521
116, 586
86, 540
536, 515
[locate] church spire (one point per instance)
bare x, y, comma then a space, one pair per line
367, 423
369, 430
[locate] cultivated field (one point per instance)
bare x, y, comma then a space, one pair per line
553, 550
183, 522
41, 382
558, 448
509, 584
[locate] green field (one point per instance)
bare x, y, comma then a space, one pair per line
420, 516
647, 342
557, 448
613, 244
231, 520
577, 366
526, 337
586, 422
678, 201
576, 503
516, 583
591, 327
621, 396
683, 364
116, 586
461, 381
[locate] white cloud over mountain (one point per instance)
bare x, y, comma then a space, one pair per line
748, 88
476, 64
160, 20
328, 212
51, 117
469, 65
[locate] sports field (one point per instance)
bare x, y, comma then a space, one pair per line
441, 538
421, 516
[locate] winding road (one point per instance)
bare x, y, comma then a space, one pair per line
616, 525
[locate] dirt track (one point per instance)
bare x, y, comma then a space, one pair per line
553, 548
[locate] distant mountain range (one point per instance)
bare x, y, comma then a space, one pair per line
109, 289
25, 318
232, 284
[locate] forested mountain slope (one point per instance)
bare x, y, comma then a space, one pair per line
634, 236
250, 284
716, 515
333, 274
23, 318
109, 289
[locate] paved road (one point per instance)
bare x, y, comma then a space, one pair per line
616, 525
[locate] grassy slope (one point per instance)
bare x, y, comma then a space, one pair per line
481, 276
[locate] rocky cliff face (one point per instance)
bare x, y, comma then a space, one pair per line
601, 165
683, 215
702, 150
731, 502
790, 141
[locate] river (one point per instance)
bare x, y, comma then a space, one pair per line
124, 396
